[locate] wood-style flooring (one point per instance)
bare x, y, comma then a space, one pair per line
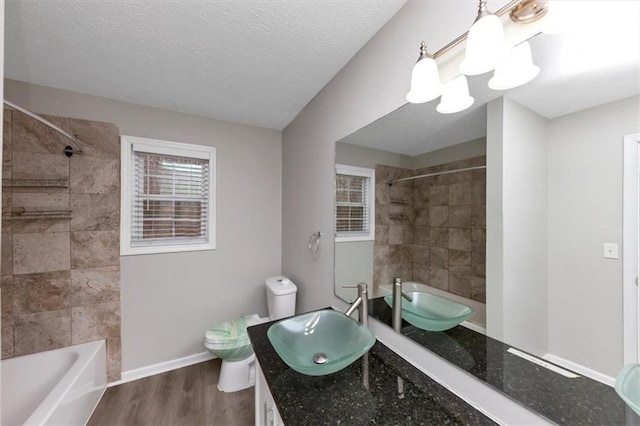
187, 396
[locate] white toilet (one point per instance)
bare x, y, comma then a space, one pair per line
229, 341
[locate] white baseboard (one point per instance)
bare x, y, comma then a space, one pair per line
162, 367
581, 369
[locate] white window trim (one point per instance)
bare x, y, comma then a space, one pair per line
342, 169
127, 145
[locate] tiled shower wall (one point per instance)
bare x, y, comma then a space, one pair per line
61, 234
443, 238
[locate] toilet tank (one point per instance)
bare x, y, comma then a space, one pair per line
281, 297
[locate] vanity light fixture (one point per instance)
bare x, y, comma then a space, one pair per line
515, 70
425, 79
486, 50
485, 43
455, 97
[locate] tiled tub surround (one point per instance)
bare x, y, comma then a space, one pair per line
560, 399
60, 242
341, 398
432, 230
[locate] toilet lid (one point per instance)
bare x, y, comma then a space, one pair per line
233, 333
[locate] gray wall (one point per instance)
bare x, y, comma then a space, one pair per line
461, 151
517, 226
585, 211
169, 300
361, 156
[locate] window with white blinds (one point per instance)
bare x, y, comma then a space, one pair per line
354, 203
169, 201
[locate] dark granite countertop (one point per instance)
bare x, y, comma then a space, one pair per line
342, 398
560, 399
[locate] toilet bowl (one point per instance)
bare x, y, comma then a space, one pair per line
229, 341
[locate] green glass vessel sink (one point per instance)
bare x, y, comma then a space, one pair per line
430, 312
321, 342
628, 386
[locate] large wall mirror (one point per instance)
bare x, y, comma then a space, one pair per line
522, 240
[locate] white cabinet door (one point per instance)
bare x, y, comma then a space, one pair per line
266, 411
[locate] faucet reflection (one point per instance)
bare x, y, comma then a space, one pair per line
396, 305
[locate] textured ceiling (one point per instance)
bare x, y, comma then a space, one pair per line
254, 62
594, 63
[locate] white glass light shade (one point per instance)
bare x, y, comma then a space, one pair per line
485, 46
516, 69
425, 82
455, 97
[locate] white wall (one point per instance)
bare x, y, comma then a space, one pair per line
169, 300
517, 193
585, 211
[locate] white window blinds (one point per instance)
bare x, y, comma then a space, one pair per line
171, 199
168, 196
354, 203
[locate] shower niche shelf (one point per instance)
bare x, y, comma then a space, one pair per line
398, 201
40, 214
35, 183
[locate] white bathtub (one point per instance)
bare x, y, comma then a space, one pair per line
477, 321
61, 387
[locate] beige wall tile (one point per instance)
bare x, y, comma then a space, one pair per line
95, 322
6, 287
479, 193
95, 248
439, 195
460, 239
95, 212
421, 215
439, 237
479, 240
6, 255
32, 165
6, 144
479, 217
400, 254
460, 194
479, 264
421, 235
31, 136
99, 139
396, 234
93, 175
439, 257
439, 278
421, 273
114, 349
42, 331
459, 257
479, 289
460, 280
439, 216
382, 215
382, 235
50, 291
460, 216
33, 253
95, 285
44, 199
40, 226
420, 254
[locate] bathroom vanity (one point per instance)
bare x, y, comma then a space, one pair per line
379, 388
384, 388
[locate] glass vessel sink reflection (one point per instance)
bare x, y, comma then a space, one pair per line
628, 386
321, 342
430, 312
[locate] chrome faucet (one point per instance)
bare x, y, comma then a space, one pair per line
396, 304
361, 303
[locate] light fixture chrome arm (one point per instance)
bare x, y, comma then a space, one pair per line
68, 150
520, 11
